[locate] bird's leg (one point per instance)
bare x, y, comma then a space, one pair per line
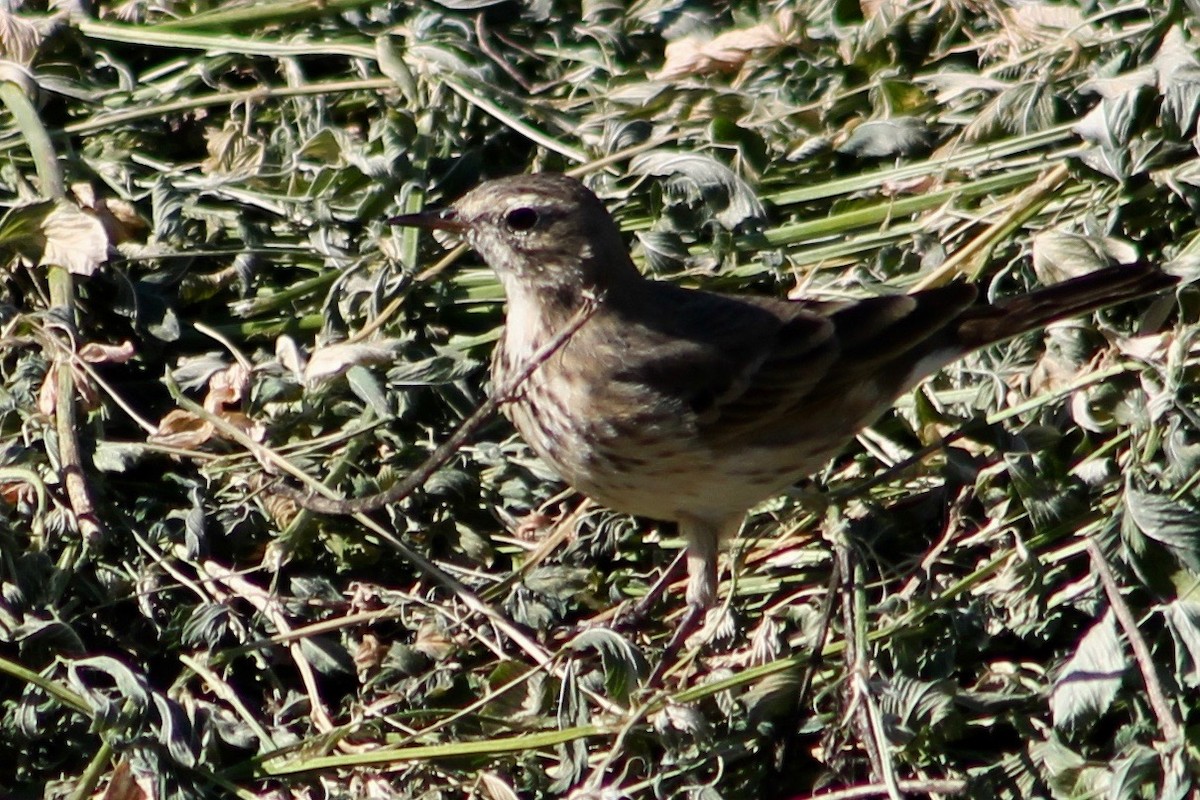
701, 555
668, 576
687, 626
702, 540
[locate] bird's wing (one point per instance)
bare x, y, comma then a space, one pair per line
715, 357
747, 369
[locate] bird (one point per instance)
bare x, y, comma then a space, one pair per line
689, 406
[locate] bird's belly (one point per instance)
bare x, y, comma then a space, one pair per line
687, 487
653, 466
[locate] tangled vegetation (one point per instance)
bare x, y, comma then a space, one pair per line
989, 595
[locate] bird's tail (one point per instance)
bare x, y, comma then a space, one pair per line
1005, 319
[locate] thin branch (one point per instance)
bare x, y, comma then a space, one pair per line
16, 89
1171, 732
813, 662
481, 36
446, 450
923, 787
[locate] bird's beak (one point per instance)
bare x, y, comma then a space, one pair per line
444, 220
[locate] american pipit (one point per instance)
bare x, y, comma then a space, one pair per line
685, 405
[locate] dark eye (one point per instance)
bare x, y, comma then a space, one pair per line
521, 219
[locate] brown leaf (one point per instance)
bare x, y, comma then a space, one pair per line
370, 653
432, 641
15, 492
226, 387
125, 785
496, 788
727, 52
75, 240
247, 425
1151, 347
19, 38
282, 510
232, 152
183, 429
533, 526
1052, 372
48, 392
336, 358
97, 353
921, 184
120, 219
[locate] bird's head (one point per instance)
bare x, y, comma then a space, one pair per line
541, 233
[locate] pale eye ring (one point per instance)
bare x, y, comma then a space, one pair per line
521, 218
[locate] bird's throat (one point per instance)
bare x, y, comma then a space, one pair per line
535, 315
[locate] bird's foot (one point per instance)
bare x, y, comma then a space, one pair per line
673, 572
691, 621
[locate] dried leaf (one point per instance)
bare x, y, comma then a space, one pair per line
182, 429
75, 240
20, 38
227, 387
432, 641
290, 356
97, 353
331, 360
496, 788
232, 152
120, 219
48, 392
1152, 347
246, 424
727, 52
1038, 22
123, 784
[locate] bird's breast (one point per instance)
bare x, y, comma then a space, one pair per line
621, 443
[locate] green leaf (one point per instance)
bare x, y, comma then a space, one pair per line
327, 655
888, 138
1168, 521
1087, 684
622, 662
1178, 82
1183, 621
730, 199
